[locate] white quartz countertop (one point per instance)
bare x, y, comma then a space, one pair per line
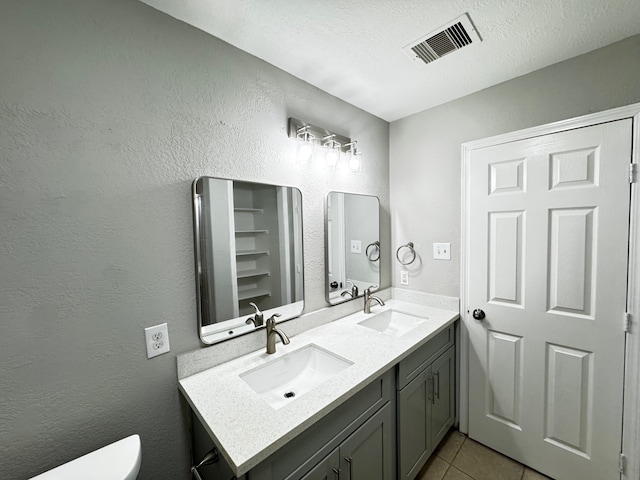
247, 429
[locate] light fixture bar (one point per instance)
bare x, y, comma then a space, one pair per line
316, 135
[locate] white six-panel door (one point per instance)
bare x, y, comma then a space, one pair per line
548, 227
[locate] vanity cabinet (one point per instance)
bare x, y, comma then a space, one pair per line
386, 431
425, 402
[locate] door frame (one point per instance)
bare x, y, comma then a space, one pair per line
631, 412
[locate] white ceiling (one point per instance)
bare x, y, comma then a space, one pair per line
352, 48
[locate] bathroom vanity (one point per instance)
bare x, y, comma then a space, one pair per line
368, 396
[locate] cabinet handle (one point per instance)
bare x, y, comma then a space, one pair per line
348, 460
432, 399
337, 472
437, 383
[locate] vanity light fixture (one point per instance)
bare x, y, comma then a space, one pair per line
339, 152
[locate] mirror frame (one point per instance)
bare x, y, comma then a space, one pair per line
236, 327
326, 249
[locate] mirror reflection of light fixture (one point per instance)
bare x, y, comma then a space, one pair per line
354, 157
305, 145
332, 150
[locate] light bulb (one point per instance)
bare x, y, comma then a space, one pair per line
332, 158
354, 163
304, 152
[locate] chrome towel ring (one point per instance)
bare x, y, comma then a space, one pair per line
410, 247
372, 250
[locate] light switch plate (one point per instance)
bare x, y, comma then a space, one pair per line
157, 340
442, 251
404, 277
356, 246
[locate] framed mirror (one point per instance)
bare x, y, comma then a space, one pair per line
248, 255
352, 253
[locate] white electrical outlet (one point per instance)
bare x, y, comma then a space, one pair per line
356, 246
157, 339
442, 251
404, 277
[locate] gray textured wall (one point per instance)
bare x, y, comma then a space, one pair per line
425, 147
108, 110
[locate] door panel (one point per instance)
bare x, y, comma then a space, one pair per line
504, 362
575, 169
507, 177
571, 260
505, 257
569, 399
549, 223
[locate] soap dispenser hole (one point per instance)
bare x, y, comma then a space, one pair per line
289, 394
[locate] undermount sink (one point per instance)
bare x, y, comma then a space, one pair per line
294, 374
393, 322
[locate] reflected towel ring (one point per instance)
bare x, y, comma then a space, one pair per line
410, 247
375, 248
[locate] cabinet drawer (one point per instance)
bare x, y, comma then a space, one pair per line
410, 367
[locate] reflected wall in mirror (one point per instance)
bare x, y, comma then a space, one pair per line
248, 250
352, 245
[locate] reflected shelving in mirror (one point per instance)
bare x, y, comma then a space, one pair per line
352, 249
248, 250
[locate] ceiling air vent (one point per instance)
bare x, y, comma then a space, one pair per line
449, 38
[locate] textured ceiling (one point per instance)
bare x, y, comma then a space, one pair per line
352, 48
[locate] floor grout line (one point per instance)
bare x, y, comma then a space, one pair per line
445, 472
456, 455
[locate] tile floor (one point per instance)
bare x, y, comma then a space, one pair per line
460, 458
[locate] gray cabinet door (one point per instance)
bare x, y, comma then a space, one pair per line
443, 407
327, 469
368, 454
414, 425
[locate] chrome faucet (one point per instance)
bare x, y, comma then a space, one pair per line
272, 331
257, 319
354, 289
368, 298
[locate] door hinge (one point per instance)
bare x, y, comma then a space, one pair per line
622, 463
633, 173
627, 322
